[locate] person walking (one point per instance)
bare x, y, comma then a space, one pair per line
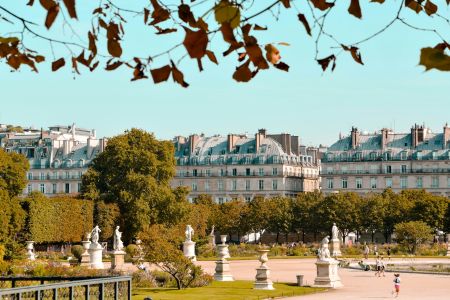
396, 290
378, 267
382, 268
366, 251
389, 253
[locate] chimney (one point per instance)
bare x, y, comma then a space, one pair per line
66, 146
231, 141
355, 137
193, 139
421, 134
295, 144
179, 141
263, 132
258, 138
384, 137
446, 137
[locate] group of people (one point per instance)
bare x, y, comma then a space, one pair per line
375, 251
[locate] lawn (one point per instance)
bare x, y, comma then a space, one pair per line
236, 290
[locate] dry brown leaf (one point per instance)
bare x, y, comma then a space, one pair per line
161, 74
305, 23
178, 76
243, 73
430, 8
324, 62
113, 66
322, 4
212, 57
354, 9
57, 64
282, 66
52, 13
70, 5
195, 42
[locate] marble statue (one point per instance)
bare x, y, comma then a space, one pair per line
324, 252
212, 231
118, 244
334, 232
189, 233
95, 234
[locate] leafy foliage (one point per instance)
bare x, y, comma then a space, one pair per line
57, 219
195, 26
13, 168
134, 172
412, 234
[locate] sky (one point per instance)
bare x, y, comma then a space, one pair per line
391, 90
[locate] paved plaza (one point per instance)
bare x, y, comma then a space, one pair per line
357, 284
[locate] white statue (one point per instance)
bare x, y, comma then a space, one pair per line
118, 244
95, 234
324, 252
212, 231
334, 232
189, 233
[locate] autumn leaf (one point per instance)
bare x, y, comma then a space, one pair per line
113, 66
57, 64
146, 15
430, 8
114, 48
302, 19
185, 14
272, 54
138, 71
378, 1
324, 62
39, 58
165, 30
92, 46
414, 5
257, 27
52, 13
159, 14
75, 65
243, 73
70, 5
354, 51
355, 9
226, 12
161, 74
282, 66
195, 42
178, 76
435, 58
212, 57
322, 4
30, 2
47, 4
286, 3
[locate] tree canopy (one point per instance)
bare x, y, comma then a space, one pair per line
97, 34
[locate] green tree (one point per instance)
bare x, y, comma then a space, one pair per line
107, 217
412, 234
305, 213
398, 209
427, 207
373, 212
232, 217
281, 216
161, 247
135, 171
257, 215
13, 169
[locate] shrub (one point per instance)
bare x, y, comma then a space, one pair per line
206, 250
143, 279
132, 250
202, 280
77, 250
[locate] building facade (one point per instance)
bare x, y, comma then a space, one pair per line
239, 166
364, 162
58, 156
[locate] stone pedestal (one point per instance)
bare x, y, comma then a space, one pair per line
30, 252
223, 271
189, 250
117, 260
85, 257
335, 248
212, 240
263, 281
95, 256
327, 274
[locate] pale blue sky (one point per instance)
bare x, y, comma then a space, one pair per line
390, 90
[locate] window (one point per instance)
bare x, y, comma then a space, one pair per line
373, 182
234, 184
388, 182
261, 172
403, 182
373, 156
404, 170
275, 171
419, 155
373, 169
30, 176
344, 170
419, 182
220, 200
220, 185
330, 183
358, 156
435, 182
388, 169
54, 188
448, 182
194, 172
247, 172
329, 170
359, 183
344, 183
261, 185
359, 169
275, 185
29, 189
67, 175
234, 172
42, 176
222, 172
67, 188
180, 183
247, 185
194, 186
403, 155
79, 187
208, 172
387, 156
206, 186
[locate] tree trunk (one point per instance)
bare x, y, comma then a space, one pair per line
286, 237
373, 236
178, 282
278, 234
255, 237
303, 236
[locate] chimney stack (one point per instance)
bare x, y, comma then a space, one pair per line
231, 141
193, 139
446, 137
355, 138
384, 137
258, 138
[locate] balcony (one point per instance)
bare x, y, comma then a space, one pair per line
384, 172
